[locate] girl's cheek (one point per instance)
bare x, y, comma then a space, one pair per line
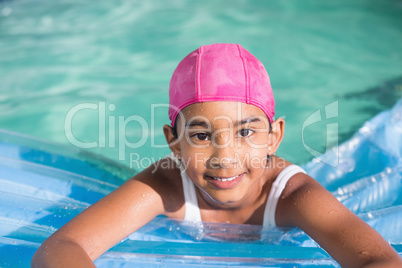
258, 141
196, 160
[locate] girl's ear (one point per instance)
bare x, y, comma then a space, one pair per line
172, 141
276, 135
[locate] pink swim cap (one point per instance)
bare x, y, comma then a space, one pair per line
220, 72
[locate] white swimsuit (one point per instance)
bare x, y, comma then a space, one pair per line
190, 197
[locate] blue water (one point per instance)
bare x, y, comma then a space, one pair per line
55, 55
339, 60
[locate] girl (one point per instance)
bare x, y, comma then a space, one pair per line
222, 169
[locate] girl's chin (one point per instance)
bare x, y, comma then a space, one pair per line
224, 200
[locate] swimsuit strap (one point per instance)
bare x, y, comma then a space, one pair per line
192, 211
276, 191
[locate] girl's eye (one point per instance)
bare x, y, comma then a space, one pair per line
245, 132
201, 136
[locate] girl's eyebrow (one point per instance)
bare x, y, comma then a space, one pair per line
195, 123
249, 120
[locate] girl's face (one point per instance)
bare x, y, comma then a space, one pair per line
224, 148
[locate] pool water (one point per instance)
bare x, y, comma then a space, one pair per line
95, 76
115, 59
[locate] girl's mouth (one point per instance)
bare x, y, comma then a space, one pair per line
225, 182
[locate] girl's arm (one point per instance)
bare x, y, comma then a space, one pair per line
347, 238
101, 226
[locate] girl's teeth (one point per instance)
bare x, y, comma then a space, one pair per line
224, 179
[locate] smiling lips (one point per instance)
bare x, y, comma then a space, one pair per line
225, 182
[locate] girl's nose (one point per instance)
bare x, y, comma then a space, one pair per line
223, 162
224, 154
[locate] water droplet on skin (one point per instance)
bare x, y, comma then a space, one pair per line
364, 252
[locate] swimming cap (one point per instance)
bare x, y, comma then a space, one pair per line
220, 72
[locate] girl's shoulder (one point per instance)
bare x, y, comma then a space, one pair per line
299, 199
163, 173
277, 167
164, 178
295, 183
298, 178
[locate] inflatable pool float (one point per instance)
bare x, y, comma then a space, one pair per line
44, 185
